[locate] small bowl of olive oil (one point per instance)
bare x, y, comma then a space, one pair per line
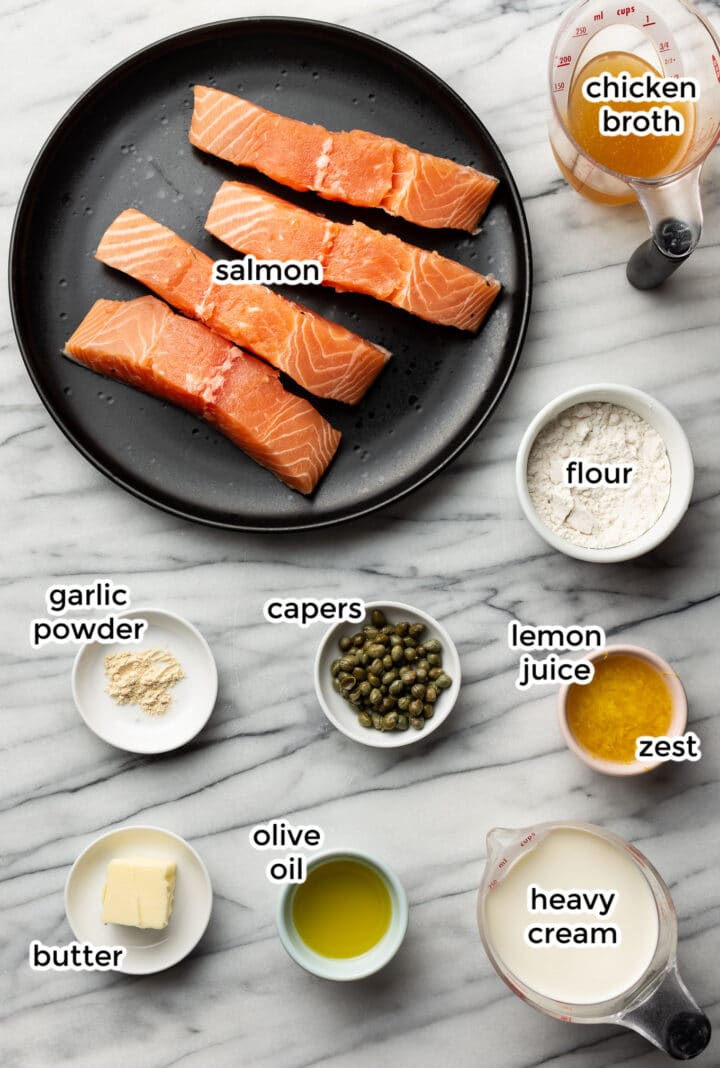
347, 920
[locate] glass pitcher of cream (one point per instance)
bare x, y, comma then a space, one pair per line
580, 925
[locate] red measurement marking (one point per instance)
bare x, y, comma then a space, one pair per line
716, 65
558, 87
565, 61
664, 46
493, 884
580, 31
647, 21
599, 17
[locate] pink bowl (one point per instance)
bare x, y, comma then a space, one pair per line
678, 720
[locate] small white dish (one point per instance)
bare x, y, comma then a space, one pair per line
342, 715
147, 951
346, 969
678, 719
682, 469
128, 726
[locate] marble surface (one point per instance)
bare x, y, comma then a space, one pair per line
460, 549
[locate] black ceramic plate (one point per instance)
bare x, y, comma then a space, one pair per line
124, 144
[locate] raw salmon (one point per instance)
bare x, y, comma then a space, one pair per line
353, 257
360, 168
321, 356
142, 342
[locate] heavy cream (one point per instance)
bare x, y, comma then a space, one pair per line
574, 918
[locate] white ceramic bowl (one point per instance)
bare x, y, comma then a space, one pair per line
679, 455
148, 951
127, 726
346, 969
340, 712
678, 716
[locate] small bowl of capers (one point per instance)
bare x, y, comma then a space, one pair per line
391, 680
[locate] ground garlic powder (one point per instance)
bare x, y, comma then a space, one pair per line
143, 678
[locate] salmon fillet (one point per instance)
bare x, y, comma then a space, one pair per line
360, 168
323, 357
142, 342
354, 257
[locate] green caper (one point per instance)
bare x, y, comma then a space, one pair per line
395, 639
410, 654
365, 688
390, 721
396, 688
403, 703
423, 661
358, 641
377, 721
421, 674
420, 650
348, 683
401, 629
443, 682
418, 690
373, 679
347, 663
355, 696
389, 677
378, 618
359, 673
403, 723
365, 719
337, 686
397, 654
387, 662
375, 696
415, 708
416, 629
369, 632
434, 673
408, 676
388, 704
434, 660
334, 667
428, 711
431, 694
417, 722
376, 666
409, 643
432, 645
345, 643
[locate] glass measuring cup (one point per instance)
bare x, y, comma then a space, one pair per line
658, 1006
675, 39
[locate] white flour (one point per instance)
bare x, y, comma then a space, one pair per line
599, 517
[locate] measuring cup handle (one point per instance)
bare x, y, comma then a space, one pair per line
671, 1019
650, 265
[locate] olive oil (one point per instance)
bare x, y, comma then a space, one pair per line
342, 909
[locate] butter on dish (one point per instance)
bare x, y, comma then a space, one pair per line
139, 892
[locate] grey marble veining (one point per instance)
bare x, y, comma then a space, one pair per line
459, 548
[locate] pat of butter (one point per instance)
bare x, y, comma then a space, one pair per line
139, 892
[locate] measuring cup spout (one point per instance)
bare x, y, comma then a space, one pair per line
671, 1019
497, 842
674, 211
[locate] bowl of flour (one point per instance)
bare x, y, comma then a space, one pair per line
604, 473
